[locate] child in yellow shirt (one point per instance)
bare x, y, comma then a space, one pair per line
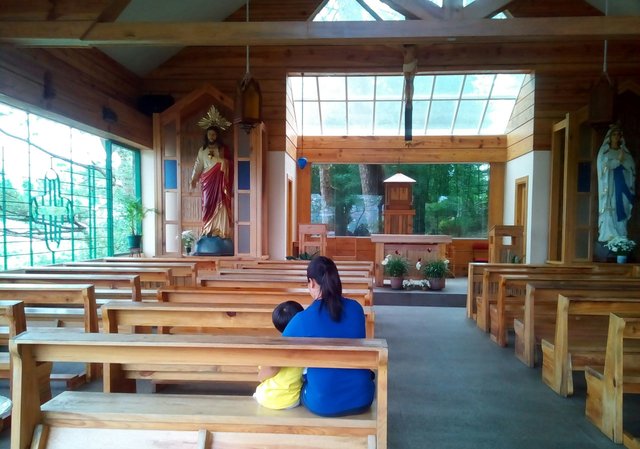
280, 387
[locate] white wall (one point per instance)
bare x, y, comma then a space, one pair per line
537, 166
149, 179
281, 167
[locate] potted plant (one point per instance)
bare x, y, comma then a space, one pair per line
396, 266
621, 247
188, 239
134, 213
435, 272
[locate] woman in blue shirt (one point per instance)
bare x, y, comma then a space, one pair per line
332, 391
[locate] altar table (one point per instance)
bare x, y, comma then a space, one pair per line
411, 246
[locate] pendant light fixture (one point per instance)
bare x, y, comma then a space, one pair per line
604, 92
302, 161
248, 96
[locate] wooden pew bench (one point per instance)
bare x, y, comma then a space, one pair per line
541, 307
62, 296
98, 419
277, 272
269, 294
117, 286
620, 374
512, 290
477, 284
580, 337
183, 273
491, 279
342, 265
203, 263
149, 277
252, 282
230, 319
12, 318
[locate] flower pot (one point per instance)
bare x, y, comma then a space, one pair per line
188, 250
134, 241
621, 258
396, 282
437, 283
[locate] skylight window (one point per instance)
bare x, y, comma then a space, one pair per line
454, 104
356, 10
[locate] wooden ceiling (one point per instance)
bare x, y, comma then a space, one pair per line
89, 23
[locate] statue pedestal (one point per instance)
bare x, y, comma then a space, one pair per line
213, 246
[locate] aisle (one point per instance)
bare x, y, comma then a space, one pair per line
451, 387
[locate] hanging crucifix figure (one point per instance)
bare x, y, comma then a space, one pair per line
409, 68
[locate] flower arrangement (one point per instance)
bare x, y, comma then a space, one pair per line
395, 265
188, 238
620, 245
434, 269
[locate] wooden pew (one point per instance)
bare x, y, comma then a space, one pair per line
620, 374
492, 272
63, 296
580, 337
302, 272
107, 286
203, 263
226, 421
231, 319
216, 319
270, 295
540, 310
149, 277
512, 290
12, 318
183, 273
272, 263
269, 281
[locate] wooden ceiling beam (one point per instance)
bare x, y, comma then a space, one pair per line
394, 150
548, 29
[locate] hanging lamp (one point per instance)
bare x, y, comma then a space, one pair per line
302, 161
248, 96
604, 92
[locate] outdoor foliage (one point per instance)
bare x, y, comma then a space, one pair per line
448, 198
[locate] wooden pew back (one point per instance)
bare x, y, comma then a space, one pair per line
107, 286
540, 309
213, 417
580, 337
620, 374
183, 273
149, 277
254, 294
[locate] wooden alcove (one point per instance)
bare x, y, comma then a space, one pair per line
177, 138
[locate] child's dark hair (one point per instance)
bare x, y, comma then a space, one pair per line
324, 271
283, 313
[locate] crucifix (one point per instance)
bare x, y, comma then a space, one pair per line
409, 68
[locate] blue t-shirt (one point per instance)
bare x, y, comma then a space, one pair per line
333, 391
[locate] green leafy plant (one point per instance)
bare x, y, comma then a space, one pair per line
134, 213
395, 265
435, 269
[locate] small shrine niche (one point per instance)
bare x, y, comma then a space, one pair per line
398, 204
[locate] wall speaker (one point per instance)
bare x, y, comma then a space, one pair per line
154, 104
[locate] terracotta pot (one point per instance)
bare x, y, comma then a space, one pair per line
396, 282
436, 283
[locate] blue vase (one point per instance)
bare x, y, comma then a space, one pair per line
621, 259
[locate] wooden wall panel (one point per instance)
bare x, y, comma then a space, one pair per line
564, 72
83, 81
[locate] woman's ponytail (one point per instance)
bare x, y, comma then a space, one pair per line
325, 273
